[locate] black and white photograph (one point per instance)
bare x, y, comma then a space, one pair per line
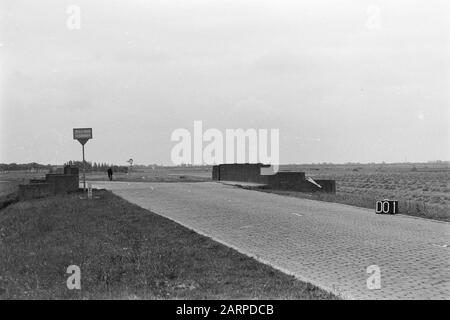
222, 156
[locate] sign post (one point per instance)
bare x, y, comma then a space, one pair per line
89, 193
83, 135
131, 164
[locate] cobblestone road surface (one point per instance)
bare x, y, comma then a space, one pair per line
326, 244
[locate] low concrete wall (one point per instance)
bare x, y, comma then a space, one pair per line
248, 172
35, 190
62, 183
71, 170
54, 183
296, 181
283, 180
215, 173
327, 185
308, 187
32, 181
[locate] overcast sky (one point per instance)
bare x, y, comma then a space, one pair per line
360, 81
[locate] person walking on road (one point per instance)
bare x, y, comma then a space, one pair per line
110, 174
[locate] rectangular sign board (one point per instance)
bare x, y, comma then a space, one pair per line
82, 133
386, 206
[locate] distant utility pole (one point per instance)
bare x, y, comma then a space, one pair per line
83, 135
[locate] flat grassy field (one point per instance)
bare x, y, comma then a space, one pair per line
428, 183
422, 190
125, 252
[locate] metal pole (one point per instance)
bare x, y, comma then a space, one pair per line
84, 173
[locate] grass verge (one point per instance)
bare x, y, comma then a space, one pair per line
125, 252
411, 208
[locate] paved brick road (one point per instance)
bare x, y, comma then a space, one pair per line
329, 245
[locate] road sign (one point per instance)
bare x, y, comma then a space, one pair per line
83, 135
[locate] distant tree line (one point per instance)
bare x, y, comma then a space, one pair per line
98, 166
33, 166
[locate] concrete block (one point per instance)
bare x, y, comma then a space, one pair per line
286, 180
32, 181
35, 190
327, 185
283, 180
62, 183
247, 172
215, 173
71, 170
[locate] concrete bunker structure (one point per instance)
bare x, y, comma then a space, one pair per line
282, 180
54, 183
